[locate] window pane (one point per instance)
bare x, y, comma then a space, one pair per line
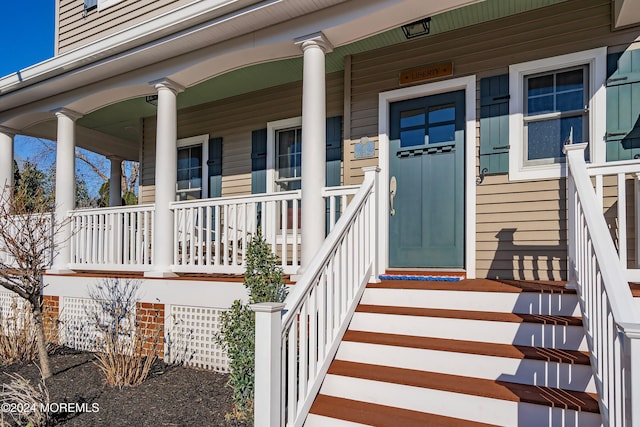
442, 133
196, 156
446, 114
540, 85
410, 138
570, 101
546, 138
183, 158
540, 105
411, 118
570, 80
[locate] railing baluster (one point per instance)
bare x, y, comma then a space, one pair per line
283, 233
218, 235
209, 234
622, 219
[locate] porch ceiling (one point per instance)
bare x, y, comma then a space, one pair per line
116, 128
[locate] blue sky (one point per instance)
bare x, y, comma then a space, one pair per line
26, 33
26, 38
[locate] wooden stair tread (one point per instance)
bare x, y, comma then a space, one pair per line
503, 390
471, 315
470, 347
479, 285
380, 415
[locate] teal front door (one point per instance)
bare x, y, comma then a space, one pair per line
426, 188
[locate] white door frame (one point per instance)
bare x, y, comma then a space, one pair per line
468, 84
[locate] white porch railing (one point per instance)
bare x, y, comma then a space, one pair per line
115, 238
293, 352
613, 183
337, 200
28, 229
611, 319
211, 235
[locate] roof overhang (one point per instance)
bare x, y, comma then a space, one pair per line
124, 64
626, 12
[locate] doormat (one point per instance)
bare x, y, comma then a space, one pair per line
428, 277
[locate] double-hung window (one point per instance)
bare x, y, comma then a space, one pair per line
288, 158
284, 154
555, 101
556, 112
192, 168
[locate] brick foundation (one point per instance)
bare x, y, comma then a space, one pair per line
50, 317
150, 324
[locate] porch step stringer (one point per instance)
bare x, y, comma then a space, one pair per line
406, 359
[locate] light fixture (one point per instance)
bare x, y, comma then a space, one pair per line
151, 99
417, 28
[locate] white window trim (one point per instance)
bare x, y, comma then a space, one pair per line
103, 4
272, 128
204, 141
596, 59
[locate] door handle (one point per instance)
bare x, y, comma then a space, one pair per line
393, 187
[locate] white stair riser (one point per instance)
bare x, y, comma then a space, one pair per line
522, 371
501, 302
320, 421
529, 334
457, 405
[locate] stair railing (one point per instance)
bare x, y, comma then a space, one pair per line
296, 341
610, 317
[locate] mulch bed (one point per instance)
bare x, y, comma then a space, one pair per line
170, 396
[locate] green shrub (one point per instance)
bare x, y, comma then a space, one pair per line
263, 280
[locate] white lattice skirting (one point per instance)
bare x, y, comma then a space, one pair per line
191, 337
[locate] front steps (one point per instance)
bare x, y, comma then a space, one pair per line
474, 352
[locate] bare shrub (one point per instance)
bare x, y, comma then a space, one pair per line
126, 348
24, 403
18, 341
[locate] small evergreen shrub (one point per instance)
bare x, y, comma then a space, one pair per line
263, 280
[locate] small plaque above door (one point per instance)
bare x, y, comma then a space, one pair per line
426, 73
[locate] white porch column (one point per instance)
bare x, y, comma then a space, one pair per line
115, 181
65, 185
166, 176
6, 158
314, 122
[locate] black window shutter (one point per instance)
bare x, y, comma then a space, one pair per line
214, 162
259, 161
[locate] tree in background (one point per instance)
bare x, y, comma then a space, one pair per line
94, 172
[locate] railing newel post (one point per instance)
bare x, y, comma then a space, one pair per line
631, 334
373, 173
268, 375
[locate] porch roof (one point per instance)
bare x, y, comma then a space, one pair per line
85, 80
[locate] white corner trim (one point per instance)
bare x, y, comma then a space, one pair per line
596, 59
272, 127
468, 84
